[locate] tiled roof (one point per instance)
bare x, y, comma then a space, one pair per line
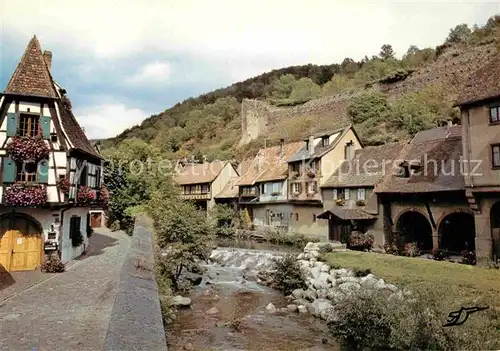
73, 129
230, 191
197, 173
244, 166
367, 167
437, 152
482, 84
347, 213
319, 150
31, 77
269, 164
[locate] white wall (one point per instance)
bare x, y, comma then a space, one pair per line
68, 251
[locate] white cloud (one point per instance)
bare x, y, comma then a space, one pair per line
154, 72
108, 120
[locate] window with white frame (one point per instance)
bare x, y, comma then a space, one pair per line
361, 194
312, 187
276, 188
347, 194
296, 188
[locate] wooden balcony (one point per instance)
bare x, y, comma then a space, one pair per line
199, 196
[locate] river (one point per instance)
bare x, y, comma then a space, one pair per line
228, 311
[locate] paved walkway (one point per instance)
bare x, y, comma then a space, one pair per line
71, 310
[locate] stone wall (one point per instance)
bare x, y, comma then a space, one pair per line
136, 321
449, 71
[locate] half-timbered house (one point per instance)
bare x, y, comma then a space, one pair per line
50, 173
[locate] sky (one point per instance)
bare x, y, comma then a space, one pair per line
122, 61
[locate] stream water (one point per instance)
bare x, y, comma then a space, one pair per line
240, 320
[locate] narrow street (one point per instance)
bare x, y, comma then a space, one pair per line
70, 310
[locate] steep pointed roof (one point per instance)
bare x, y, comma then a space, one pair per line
32, 76
482, 84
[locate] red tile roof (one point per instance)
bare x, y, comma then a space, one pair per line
32, 76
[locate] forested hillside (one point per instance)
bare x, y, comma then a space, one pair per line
210, 124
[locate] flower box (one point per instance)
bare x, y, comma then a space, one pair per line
360, 203
340, 202
63, 185
25, 195
85, 196
21, 149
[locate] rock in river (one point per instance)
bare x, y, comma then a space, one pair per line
181, 301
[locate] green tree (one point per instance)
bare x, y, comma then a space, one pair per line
386, 52
459, 34
337, 84
369, 107
304, 90
412, 50
282, 87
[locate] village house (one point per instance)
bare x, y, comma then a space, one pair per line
202, 182
479, 104
309, 168
263, 188
349, 202
51, 174
423, 198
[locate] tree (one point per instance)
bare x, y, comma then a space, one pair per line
304, 90
368, 106
459, 34
336, 85
412, 50
386, 52
349, 66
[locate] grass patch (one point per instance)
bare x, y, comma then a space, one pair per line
452, 285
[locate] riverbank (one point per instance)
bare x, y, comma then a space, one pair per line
228, 310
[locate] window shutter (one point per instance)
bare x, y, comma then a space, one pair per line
361, 194
45, 127
11, 124
335, 195
264, 188
347, 194
72, 227
9, 170
43, 172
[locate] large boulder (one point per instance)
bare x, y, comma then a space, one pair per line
181, 301
321, 281
320, 307
325, 267
315, 271
302, 309
311, 247
310, 295
380, 284
369, 281
271, 309
298, 293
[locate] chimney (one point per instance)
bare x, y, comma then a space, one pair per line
47, 57
450, 123
282, 144
311, 145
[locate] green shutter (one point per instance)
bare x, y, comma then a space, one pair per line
43, 172
9, 170
11, 124
46, 127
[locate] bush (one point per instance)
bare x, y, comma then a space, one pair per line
370, 320
52, 264
361, 241
411, 250
439, 255
391, 249
288, 275
468, 257
77, 239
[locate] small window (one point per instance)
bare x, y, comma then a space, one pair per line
324, 141
339, 194
28, 125
296, 188
361, 194
84, 176
495, 114
312, 187
347, 194
495, 152
296, 216
26, 172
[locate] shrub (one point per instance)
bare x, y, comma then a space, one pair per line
391, 249
52, 264
468, 257
439, 255
77, 239
325, 248
360, 241
85, 196
411, 250
370, 320
288, 275
358, 272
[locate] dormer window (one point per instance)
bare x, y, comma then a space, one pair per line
495, 114
324, 141
29, 125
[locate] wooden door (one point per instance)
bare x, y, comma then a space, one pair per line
26, 251
96, 220
5, 250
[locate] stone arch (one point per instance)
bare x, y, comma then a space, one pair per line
413, 226
457, 232
23, 222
